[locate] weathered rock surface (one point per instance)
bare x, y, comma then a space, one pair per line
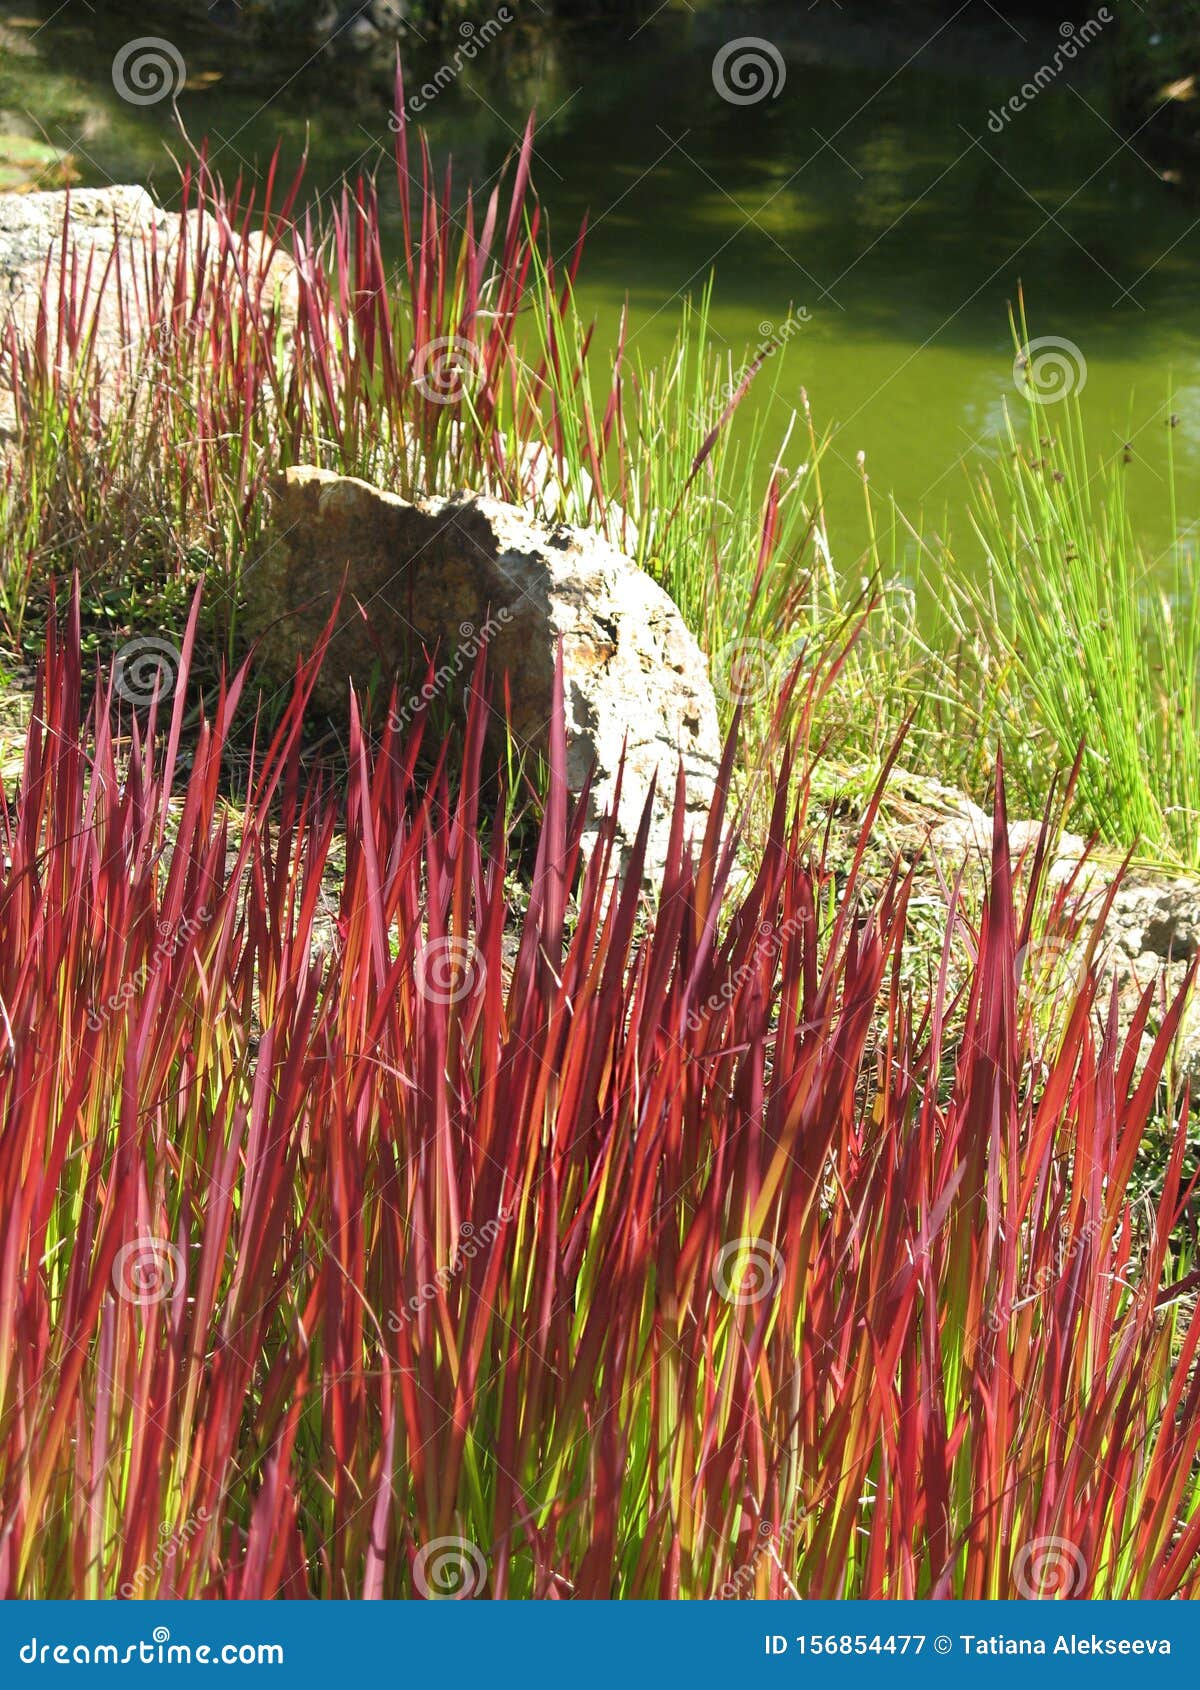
97, 220
1151, 937
1152, 931
442, 577
32, 224
31, 262
1160, 921
970, 829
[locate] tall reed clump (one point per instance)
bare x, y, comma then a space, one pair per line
413, 1247
733, 533
1091, 640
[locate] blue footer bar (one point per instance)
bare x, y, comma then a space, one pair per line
583, 1644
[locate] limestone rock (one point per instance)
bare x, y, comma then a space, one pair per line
97, 220
1159, 921
31, 261
440, 578
971, 830
1150, 938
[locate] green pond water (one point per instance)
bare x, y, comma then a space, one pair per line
874, 194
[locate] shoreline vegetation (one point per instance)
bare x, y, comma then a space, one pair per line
1071, 635
1156, 61
430, 1212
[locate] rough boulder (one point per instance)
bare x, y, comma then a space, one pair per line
441, 578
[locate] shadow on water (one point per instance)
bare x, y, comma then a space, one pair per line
886, 188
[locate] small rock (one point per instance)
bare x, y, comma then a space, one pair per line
971, 830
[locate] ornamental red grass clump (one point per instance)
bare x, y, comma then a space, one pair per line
441, 1250
159, 384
